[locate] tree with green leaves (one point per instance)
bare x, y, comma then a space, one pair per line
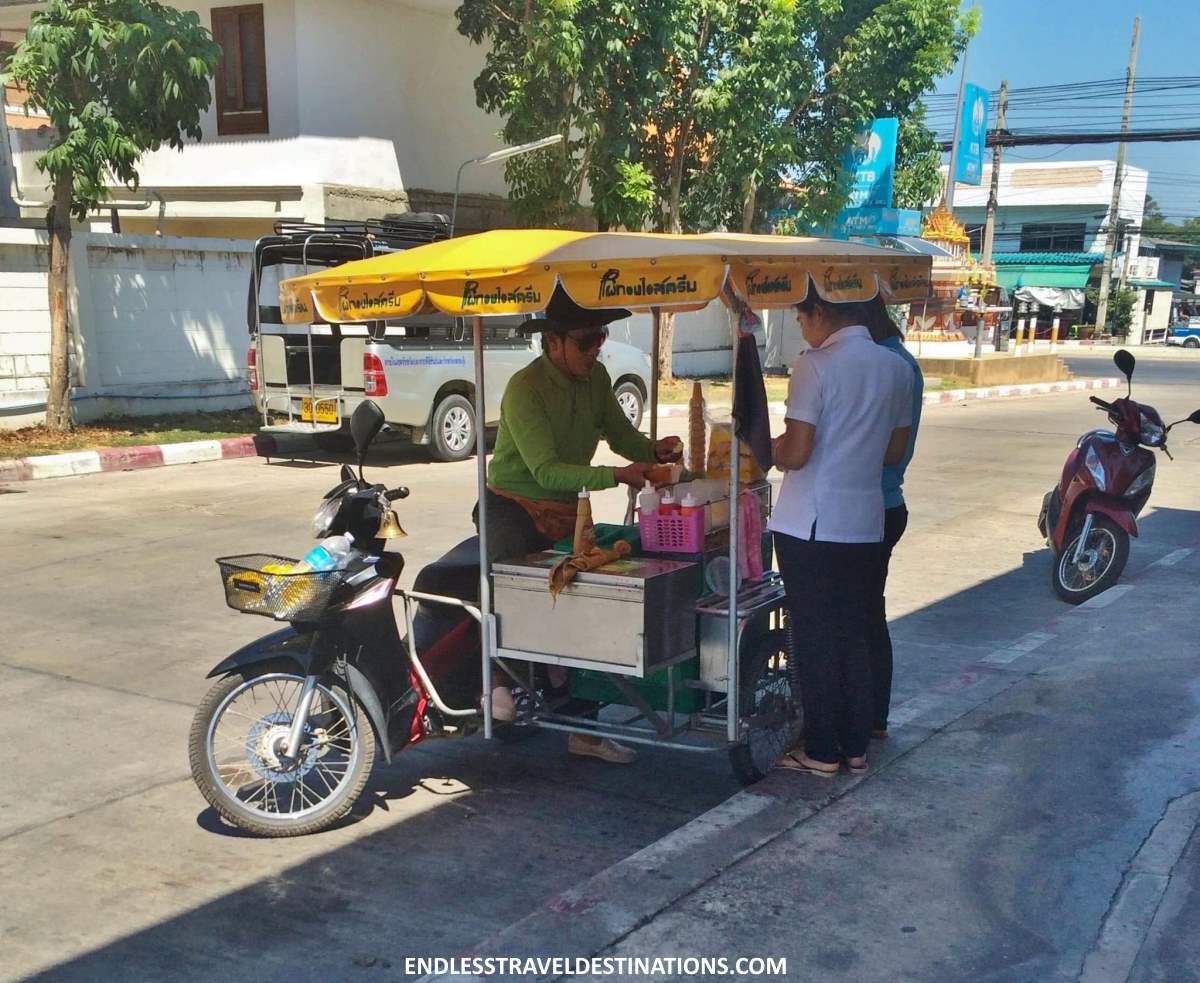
116, 78
689, 114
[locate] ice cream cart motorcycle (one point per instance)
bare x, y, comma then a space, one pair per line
284, 742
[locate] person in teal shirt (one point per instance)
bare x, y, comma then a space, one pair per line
895, 520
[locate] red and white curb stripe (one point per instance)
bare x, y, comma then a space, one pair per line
1026, 389
950, 395
135, 458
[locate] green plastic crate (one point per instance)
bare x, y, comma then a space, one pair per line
585, 684
606, 534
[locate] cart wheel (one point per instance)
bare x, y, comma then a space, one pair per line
769, 699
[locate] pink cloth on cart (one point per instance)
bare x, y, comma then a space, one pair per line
750, 566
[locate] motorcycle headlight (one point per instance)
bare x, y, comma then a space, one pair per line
1152, 435
1139, 484
1095, 468
323, 520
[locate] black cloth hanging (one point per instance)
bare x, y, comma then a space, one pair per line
750, 416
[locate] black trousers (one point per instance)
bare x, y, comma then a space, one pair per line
830, 588
879, 640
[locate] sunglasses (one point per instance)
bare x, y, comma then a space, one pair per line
589, 341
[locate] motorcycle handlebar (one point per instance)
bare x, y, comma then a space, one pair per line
1099, 402
396, 493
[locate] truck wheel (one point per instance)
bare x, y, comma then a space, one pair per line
1191, 343
629, 398
452, 436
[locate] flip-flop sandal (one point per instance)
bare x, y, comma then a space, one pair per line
858, 769
794, 762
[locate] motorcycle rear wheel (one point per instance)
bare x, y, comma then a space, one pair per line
1100, 566
234, 750
769, 695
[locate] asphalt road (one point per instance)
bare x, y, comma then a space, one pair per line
1165, 366
114, 614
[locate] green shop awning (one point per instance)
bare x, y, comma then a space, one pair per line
1045, 269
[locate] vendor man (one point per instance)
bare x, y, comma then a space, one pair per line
552, 417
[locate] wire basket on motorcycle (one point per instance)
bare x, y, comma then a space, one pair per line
262, 583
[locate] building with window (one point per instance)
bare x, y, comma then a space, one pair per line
1053, 222
321, 111
1055, 207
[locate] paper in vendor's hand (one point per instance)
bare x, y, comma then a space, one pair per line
563, 572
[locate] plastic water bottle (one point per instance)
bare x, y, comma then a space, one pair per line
332, 553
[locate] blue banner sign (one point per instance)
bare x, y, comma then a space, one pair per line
973, 135
870, 165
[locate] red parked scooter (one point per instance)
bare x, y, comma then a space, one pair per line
1088, 519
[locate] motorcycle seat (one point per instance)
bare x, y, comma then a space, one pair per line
454, 574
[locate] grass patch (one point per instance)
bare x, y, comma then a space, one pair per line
176, 428
718, 390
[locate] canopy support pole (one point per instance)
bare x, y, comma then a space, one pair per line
733, 672
656, 317
487, 621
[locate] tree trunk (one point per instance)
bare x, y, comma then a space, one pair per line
748, 205
666, 341
58, 224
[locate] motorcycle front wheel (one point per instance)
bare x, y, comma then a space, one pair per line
238, 753
1100, 563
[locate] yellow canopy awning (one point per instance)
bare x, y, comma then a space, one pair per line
514, 271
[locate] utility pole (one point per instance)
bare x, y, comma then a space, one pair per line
948, 193
989, 228
1114, 226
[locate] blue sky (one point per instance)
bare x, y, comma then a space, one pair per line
1046, 42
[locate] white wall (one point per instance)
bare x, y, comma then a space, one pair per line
24, 319
701, 340
396, 72
159, 324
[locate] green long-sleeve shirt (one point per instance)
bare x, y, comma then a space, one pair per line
550, 425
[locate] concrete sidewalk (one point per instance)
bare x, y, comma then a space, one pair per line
1030, 820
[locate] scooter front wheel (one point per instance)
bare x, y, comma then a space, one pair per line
239, 753
1100, 562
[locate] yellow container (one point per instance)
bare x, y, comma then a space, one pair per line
720, 444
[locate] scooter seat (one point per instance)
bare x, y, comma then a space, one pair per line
455, 574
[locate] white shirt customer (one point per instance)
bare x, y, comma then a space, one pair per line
855, 394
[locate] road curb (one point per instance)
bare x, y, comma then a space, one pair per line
266, 445
947, 396
147, 456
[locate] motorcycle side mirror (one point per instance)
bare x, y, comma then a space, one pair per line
1195, 417
365, 425
1126, 363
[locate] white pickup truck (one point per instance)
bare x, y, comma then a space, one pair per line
420, 370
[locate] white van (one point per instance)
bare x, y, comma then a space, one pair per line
419, 370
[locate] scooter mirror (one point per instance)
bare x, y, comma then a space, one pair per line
1195, 417
1125, 362
365, 424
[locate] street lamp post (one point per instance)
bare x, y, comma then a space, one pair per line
504, 153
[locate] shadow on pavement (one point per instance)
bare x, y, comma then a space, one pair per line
468, 838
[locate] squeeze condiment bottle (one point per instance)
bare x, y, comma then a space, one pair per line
585, 533
667, 505
648, 500
690, 505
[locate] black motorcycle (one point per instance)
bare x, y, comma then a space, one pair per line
284, 742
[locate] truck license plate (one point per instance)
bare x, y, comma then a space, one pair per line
326, 410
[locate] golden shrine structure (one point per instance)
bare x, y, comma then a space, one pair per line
962, 287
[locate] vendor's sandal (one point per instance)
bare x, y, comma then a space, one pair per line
857, 766
796, 761
879, 734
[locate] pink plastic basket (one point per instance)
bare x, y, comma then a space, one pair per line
672, 533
